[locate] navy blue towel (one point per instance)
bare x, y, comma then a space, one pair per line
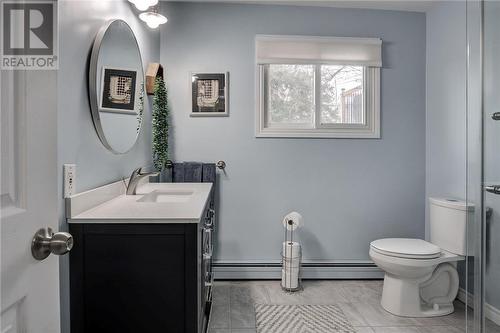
193, 172
178, 173
210, 176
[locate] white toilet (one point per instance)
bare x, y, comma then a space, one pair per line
421, 278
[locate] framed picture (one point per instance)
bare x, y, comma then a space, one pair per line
118, 90
209, 94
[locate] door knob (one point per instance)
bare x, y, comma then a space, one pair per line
45, 242
495, 189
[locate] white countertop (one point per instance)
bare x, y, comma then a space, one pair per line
109, 204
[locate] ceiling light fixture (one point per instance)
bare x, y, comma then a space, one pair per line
143, 4
153, 19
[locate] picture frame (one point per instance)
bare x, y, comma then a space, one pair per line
209, 94
118, 91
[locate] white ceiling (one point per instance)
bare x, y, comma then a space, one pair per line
403, 5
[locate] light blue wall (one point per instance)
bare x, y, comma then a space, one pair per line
446, 103
350, 192
79, 21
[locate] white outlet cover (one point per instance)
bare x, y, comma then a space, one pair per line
69, 179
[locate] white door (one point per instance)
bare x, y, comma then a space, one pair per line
29, 288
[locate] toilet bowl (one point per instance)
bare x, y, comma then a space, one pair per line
416, 284
421, 278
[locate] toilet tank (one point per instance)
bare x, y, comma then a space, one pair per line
448, 224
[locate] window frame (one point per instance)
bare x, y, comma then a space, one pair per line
371, 105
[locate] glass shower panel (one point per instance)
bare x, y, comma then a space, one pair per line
491, 164
483, 160
474, 282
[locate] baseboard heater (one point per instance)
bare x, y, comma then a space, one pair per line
310, 270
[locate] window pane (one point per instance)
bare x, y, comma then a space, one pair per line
291, 94
342, 95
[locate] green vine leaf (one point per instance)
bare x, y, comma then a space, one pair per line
141, 108
160, 124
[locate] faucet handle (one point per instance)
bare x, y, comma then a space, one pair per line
139, 172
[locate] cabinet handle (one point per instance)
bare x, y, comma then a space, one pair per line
208, 279
207, 242
210, 218
208, 223
495, 189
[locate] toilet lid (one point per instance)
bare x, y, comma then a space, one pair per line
406, 248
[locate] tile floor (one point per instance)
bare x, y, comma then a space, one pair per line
233, 307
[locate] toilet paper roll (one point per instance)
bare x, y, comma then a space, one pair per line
292, 221
290, 278
291, 250
293, 263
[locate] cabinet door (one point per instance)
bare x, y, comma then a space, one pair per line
134, 282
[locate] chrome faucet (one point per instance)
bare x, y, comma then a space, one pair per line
135, 177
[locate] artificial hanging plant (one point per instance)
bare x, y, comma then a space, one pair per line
160, 124
141, 109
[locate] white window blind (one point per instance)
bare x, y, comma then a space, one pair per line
275, 49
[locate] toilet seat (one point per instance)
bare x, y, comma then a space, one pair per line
408, 248
409, 263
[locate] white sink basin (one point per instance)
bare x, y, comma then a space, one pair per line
163, 196
153, 203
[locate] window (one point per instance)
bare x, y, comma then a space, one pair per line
318, 87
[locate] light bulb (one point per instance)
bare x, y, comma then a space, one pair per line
153, 25
152, 19
143, 4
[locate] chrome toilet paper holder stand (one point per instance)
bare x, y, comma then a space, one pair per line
287, 260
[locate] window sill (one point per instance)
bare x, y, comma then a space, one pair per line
318, 133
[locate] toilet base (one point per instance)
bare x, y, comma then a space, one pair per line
401, 297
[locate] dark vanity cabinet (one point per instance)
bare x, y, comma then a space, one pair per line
141, 277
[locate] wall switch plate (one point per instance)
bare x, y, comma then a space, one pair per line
69, 179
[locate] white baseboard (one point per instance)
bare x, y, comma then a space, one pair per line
465, 297
490, 311
272, 270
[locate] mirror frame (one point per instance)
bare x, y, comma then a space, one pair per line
92, 85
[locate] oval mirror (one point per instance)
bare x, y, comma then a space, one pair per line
116, 86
